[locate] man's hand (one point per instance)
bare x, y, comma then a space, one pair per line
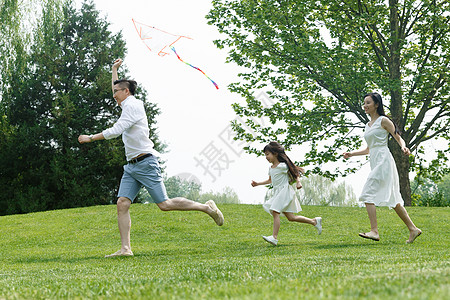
115, 76
84, 139
117, 63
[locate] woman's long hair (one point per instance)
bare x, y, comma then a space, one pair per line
380, 109
278, 150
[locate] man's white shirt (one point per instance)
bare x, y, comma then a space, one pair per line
133, 126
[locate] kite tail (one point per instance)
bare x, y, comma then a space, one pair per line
173, 49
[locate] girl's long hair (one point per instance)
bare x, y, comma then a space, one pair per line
380, 109
278, 150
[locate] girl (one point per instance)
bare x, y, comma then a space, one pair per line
281, 174
382, 187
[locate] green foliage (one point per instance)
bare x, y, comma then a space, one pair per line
428, 193
432, 200
13, 34
319, 190
317, 83
433, 169
227, 196
184, 255
57, 90
423, 186
177, 187
444, 186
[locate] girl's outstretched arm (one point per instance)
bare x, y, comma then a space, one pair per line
268, 181
356, 153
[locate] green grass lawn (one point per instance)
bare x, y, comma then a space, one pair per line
184, 255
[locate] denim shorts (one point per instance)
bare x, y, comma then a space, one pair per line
145, 173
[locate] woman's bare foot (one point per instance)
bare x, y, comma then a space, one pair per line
370, 235
413, 235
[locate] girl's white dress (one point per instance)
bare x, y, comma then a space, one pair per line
283, 195
382, 186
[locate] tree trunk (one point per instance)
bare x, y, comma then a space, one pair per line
396, 107
402, 162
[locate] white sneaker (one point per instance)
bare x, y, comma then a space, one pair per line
270, 239
319, 224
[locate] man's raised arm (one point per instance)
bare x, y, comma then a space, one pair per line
115, 67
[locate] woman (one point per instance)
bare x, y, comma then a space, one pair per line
382, 186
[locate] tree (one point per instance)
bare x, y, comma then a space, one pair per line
62, 88
13, 34
399, 48
319, 190
178, 187
425, 192
227, 196
444, 186
18, 20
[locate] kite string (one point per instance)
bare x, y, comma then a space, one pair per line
173, 49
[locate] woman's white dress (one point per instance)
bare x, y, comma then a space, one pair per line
382, 186
283, 195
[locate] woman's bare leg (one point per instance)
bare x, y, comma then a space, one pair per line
372, 212
413, 230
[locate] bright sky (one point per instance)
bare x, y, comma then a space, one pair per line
195, 116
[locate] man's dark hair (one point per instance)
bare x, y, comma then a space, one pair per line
129, 84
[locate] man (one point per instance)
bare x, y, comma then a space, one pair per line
143, 167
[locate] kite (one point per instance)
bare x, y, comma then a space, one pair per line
160, 41
173, 49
